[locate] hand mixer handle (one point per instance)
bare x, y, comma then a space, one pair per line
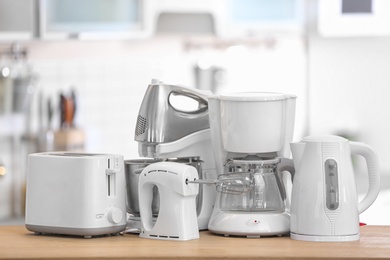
199, 96
159, 121
373, 173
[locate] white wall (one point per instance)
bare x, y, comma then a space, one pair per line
350, 89
111, 77
348, 83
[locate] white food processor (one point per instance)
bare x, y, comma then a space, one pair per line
251, 133
177, 217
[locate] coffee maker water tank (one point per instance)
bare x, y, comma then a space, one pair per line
266, 131
251, 123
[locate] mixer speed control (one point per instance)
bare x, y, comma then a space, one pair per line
114, 215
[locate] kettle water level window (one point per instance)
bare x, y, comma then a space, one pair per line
332, 184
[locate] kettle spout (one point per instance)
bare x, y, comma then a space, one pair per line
297, 150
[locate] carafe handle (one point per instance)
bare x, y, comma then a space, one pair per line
285, 165
373, 173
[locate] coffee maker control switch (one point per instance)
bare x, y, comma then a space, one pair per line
114, 215
253, 222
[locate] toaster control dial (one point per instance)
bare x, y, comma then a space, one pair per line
115, 215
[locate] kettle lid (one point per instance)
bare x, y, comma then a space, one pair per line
324, 138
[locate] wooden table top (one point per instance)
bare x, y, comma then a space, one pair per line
16, 242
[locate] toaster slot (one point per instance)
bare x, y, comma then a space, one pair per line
111, 185
110, 177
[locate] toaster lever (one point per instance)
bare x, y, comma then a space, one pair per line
111, 171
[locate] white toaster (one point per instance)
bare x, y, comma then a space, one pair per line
75, 194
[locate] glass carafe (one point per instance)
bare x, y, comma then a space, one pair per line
266, 193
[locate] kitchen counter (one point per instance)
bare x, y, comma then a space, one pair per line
16, 242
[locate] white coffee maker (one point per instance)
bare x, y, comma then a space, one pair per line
250, 135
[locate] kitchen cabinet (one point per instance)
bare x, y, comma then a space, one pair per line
233, 18
65, 19
17, 243
17, 20
92, 19
259, 17
122, 19
129, 19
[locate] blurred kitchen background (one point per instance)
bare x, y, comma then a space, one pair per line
92, 60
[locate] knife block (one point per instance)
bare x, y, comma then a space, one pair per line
72, 139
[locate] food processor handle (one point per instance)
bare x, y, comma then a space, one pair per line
145, 200
373, 173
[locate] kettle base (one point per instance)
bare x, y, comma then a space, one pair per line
325, 238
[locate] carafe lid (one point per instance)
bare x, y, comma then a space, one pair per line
255, 96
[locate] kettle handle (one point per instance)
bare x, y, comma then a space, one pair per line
373, 173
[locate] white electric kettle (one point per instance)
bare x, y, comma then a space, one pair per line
324, 200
